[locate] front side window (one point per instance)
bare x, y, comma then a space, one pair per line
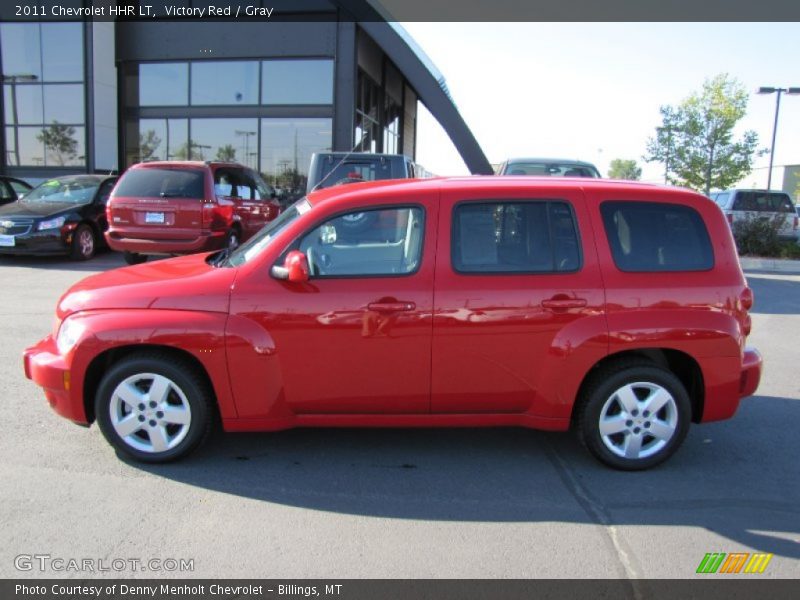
656, 236
368, 243
515, 237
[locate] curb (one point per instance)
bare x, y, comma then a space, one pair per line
774, 265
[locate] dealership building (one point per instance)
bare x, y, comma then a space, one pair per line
98, 96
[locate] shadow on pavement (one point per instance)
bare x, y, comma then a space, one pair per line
774, 296
103, 261
739, 478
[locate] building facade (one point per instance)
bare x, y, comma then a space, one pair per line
100, 96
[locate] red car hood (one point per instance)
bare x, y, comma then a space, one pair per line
183, 283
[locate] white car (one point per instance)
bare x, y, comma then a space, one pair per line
749, 204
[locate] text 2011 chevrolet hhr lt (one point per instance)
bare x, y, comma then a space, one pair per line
618, 309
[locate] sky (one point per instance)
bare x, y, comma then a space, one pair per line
592, 91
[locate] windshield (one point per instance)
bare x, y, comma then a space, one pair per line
253, 247
353, 171
79, 191
550, 169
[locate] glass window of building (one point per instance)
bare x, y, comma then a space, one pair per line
286, 149
234, 140
162, 84
45, 120
367, 131
156, 139
297, 82
62, 52
224, 83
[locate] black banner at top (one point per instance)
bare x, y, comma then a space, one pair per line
404, 10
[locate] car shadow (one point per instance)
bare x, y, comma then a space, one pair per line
723, 479
104, 260
774, 296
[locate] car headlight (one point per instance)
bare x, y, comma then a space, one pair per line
68, 334
52, 223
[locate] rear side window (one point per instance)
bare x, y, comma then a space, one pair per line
763, 202
164, 183
655, 236
515, 237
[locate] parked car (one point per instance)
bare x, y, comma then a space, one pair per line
741, 205
12, 189
185, 207
64, 215
615, 308
335, 168
548, 167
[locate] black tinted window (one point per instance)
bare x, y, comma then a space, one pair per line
515, 237
654, 236
168, 183
763, 202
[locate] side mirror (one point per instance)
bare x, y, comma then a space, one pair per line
294, 269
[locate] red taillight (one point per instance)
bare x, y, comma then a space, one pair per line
730, 218
796, 219
747, 298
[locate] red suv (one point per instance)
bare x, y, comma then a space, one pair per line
615, 308
186, 207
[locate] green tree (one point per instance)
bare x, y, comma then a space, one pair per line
189, 151
226, 153
148, 144
621, 168
695, 141
59, 142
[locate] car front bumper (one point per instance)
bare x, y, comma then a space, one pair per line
39, 243
51, 371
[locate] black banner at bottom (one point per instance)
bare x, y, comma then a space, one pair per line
709, 587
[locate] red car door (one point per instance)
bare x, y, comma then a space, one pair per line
513, 278
357, 337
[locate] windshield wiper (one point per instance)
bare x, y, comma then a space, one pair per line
220, 257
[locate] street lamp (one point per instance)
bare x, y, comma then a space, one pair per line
14, 80
779, 91
247, 135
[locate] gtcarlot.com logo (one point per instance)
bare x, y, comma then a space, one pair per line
58, 564
736, 562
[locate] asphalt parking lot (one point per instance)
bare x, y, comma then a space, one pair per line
396, 503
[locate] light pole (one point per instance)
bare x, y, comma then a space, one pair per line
779, 91
13, 80
247, 135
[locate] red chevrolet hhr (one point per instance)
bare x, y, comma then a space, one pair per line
618, 309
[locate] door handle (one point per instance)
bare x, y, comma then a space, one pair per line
563, 303
387, 307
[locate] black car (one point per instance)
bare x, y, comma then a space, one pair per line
12, 189
64, 215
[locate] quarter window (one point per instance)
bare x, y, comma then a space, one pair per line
375, 242
655, 236
515, 237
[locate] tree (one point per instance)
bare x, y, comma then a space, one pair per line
695, 141
624, 169
189, 151
148, 144
226, 153
59, 142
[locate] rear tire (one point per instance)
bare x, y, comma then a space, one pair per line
633, 415
133, 258
154, 407
84, 243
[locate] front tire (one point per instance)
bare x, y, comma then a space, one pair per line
633, 415
84, 243
154, 407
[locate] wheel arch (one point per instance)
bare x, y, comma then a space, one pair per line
684, 366
103, 361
